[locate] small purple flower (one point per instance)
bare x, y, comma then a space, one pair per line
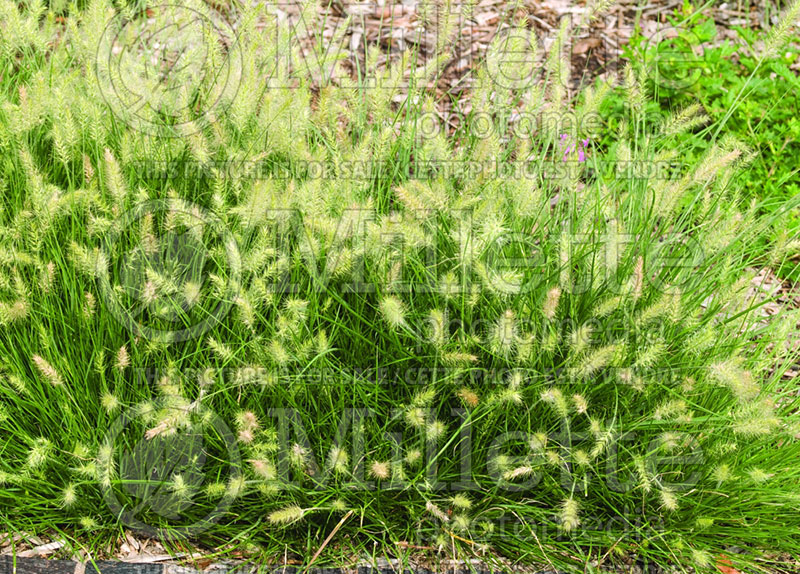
569, 148
581, 154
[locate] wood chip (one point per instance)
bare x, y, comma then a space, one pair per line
42, 549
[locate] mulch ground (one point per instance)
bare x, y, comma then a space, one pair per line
595, 48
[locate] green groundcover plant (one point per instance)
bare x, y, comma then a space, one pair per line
756, 98
274, 312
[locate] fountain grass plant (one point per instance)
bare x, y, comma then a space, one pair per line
271, 308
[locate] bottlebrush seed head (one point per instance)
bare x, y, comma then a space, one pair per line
569, 519
338, 459
461, 502
468, 397
123, 359
47, 370
551, 303
393, 311
110, 402
435, 430
437, 512
69, 496
286, 516
380, 470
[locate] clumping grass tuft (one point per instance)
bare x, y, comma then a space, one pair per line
251, 326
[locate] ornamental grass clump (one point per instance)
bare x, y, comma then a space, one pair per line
234, 314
